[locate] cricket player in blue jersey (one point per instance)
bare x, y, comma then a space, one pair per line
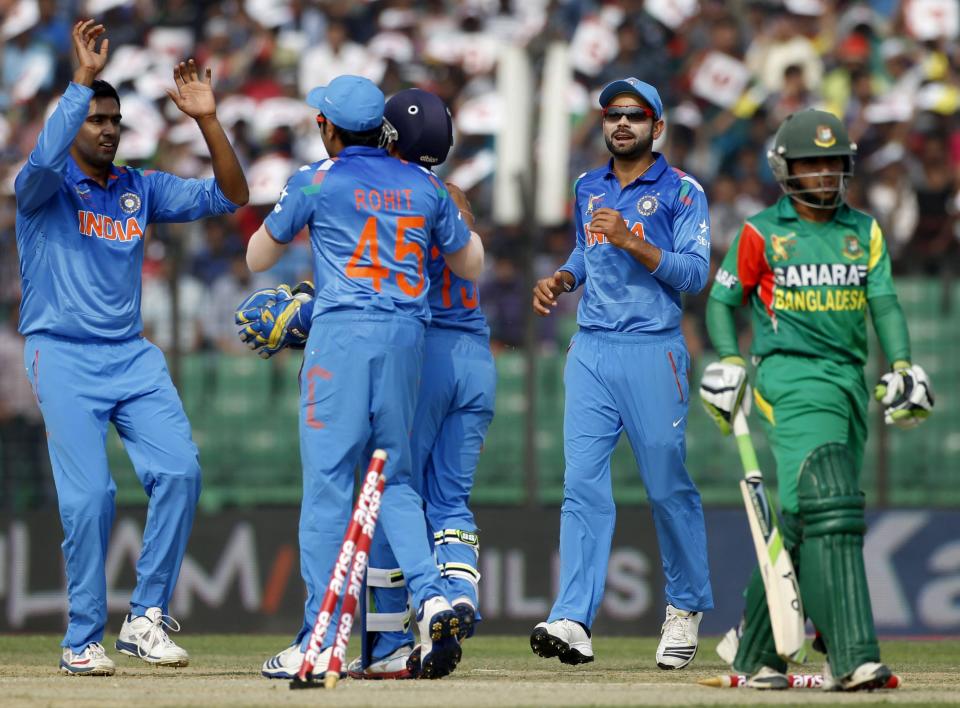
373, 221
643, 238
80, 228
454, 406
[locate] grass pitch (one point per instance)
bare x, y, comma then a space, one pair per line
495, 672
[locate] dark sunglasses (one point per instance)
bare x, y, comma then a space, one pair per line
634, 114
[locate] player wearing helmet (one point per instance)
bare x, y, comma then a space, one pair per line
810, 267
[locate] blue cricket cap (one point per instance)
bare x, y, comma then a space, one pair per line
349, 102
638, 88
424, 126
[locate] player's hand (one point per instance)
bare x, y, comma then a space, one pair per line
547, 290
89, 61
278, 323
249, 310
906, 396
193, 95
463, 204
724, 390
610, 223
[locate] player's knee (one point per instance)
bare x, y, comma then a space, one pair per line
827, 494
86, 503
589, 501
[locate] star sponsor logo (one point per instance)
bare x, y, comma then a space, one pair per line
592, 201
825, 137
782, 246
703, 236
647, 205
129, 203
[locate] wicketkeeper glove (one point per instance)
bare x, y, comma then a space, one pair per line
274, 322
905, 394
724, 389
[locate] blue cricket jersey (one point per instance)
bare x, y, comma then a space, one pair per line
80, 245
668, 208
454, 302
373, 220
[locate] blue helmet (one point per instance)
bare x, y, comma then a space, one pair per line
423, 124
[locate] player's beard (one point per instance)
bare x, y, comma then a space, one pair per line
640, 147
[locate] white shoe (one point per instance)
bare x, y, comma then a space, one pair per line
393, 666
92, 661
866, 677
440, 650
286, 664
563, 638
145, 638
678, 638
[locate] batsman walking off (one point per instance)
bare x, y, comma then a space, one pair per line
643, 238
810, 267
372, 220
80, 229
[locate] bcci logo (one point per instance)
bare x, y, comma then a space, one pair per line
129, 203
647, 205
825, 137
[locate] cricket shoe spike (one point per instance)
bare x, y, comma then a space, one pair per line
565, 639
440, 650
467, 614
393, 666
767, 679
145, 638
678, 638
92, 661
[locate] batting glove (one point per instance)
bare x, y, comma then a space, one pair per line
906, 395
724, 389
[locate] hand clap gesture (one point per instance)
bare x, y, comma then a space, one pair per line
193, 95
89, 62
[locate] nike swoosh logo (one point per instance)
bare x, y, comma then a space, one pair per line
677, 422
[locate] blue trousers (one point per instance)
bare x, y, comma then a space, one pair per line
81, 387
454, 410
358, 390
637, 383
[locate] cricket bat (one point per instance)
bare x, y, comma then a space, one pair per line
776, 568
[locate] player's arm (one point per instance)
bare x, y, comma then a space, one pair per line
42, 173
263, 250
569, 276
461, 247
195, 98
687, 266
904, 392
467, 263
289, 215
724, 387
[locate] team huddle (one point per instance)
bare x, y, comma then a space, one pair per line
396, 358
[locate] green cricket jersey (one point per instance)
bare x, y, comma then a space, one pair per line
808, 283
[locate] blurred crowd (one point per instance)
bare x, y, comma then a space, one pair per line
728, 72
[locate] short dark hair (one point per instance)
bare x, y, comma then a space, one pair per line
101, 89
365, 138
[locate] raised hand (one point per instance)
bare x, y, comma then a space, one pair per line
609, 222
193, 95
90, 62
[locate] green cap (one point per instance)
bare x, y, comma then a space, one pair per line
812, 133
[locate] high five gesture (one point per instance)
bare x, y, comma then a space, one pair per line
194, 96
90, 62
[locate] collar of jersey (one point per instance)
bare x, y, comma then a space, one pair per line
652, 174
786, 210
362, 150
75, 174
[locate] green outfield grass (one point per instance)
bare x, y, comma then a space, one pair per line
496, 671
